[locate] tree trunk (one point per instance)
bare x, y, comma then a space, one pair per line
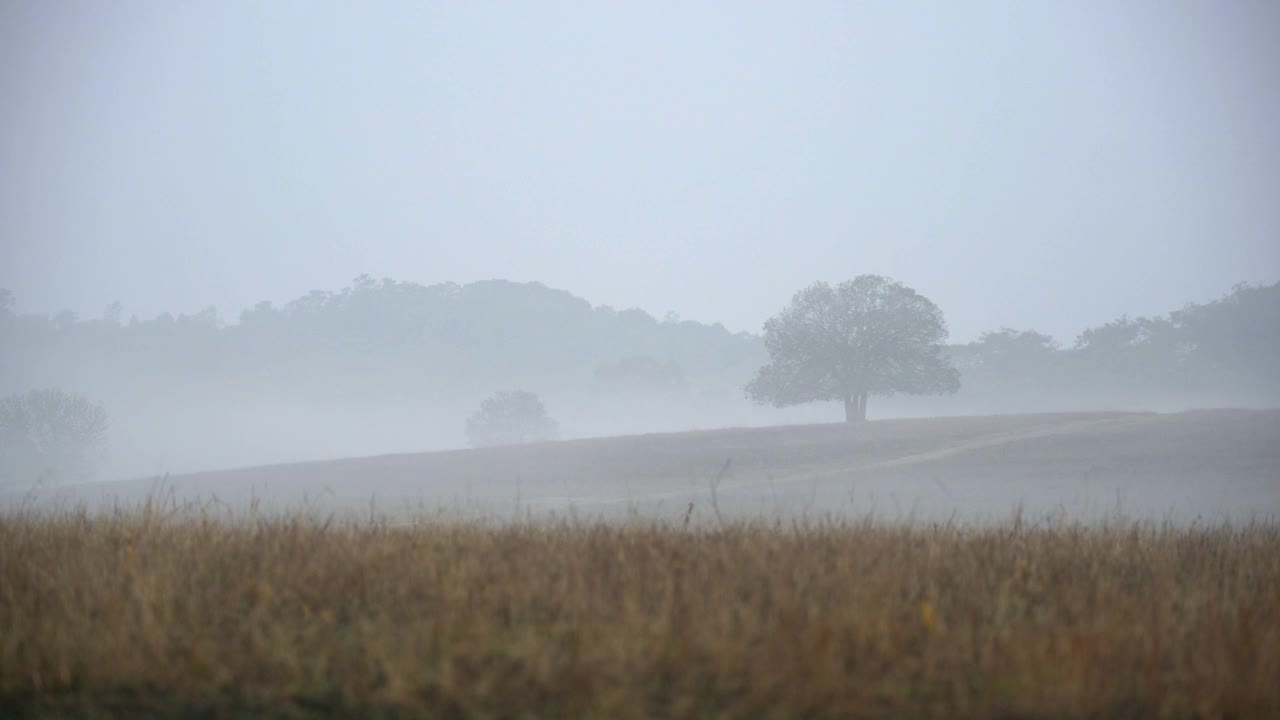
855, 408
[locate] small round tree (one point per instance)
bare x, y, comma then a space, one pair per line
509, 418
49, 435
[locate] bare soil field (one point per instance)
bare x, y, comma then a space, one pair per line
1204, 464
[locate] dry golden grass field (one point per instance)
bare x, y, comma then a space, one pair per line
178, 614
877, 571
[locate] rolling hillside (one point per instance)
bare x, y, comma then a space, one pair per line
1206, 464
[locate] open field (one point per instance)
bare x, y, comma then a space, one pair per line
1207, 464
759, 573
155, 614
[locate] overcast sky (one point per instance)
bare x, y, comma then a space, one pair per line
1026, 164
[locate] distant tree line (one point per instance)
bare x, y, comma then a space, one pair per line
380, 339
372, 339
1229, 347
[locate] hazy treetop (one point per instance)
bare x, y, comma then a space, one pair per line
1048, 165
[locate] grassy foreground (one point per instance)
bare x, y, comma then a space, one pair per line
146, 615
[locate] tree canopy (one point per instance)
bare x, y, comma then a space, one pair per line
49, 434
867, 336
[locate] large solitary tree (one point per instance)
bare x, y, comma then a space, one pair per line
867, 336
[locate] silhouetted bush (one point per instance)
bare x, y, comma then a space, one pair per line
508, 418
